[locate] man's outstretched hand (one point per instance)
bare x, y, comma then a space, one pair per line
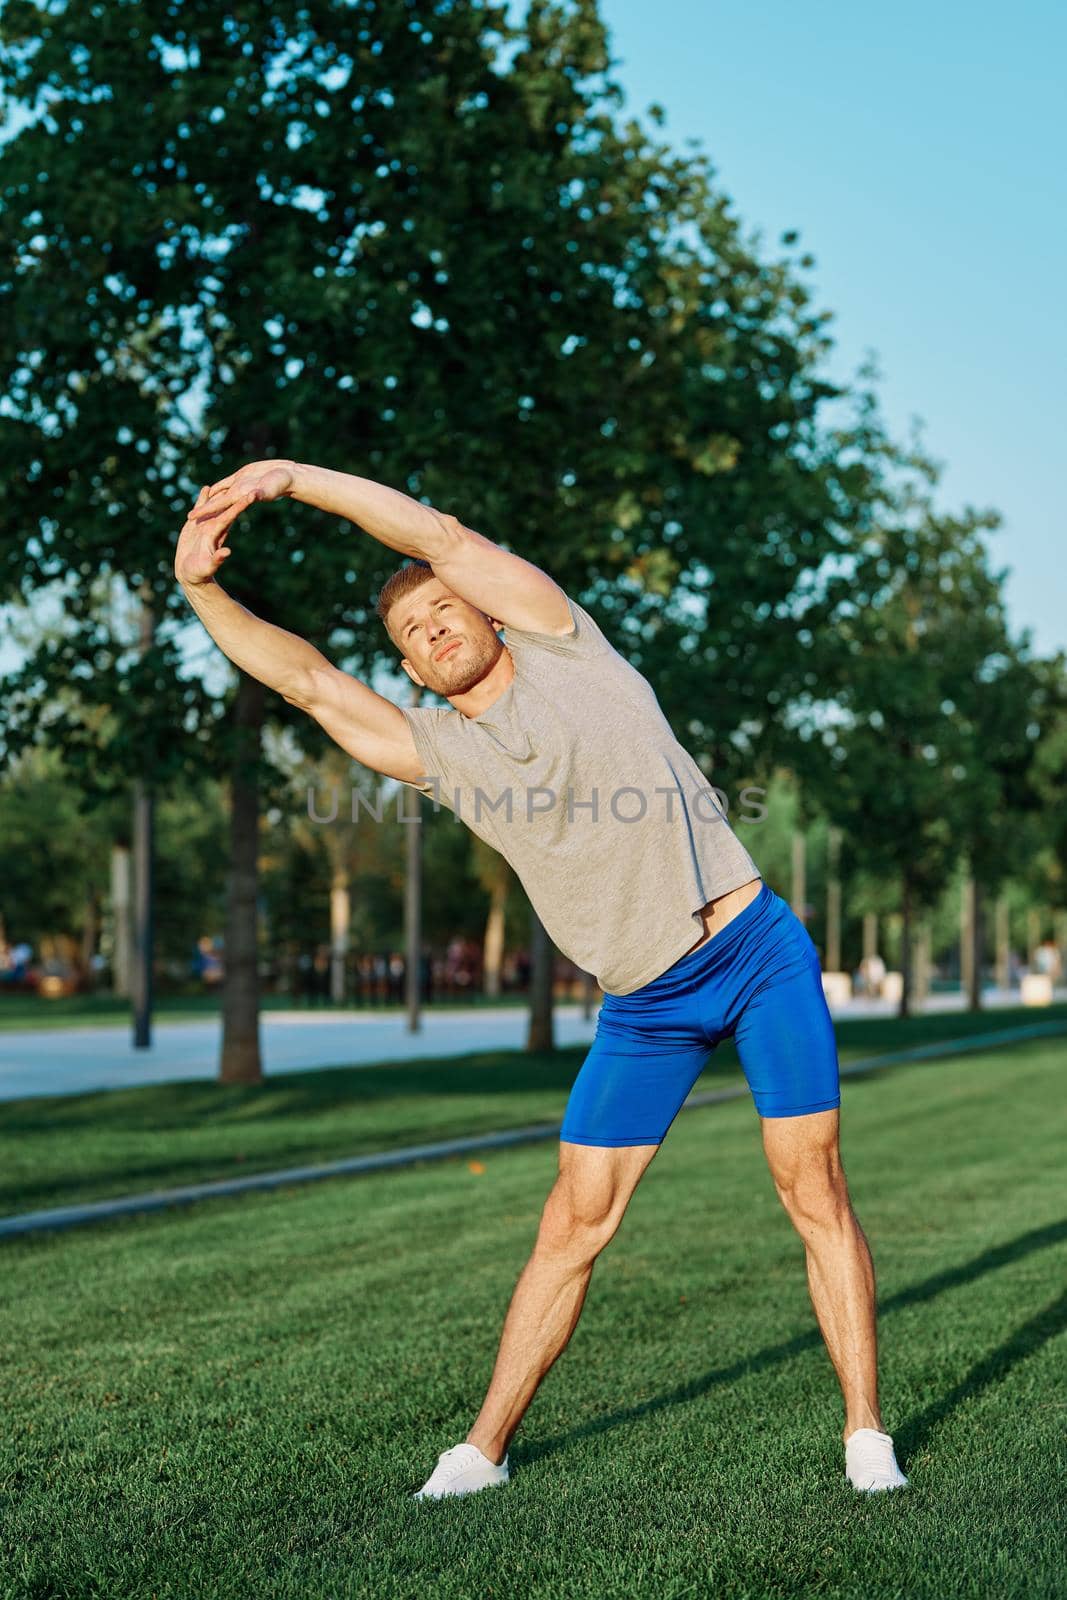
202, 544
260, 480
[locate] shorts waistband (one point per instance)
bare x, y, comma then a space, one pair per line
716, 950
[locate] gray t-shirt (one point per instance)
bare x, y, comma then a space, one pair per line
574, 775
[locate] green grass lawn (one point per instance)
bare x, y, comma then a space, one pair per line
72, 1148
237, 1399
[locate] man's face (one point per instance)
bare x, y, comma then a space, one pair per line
447, 645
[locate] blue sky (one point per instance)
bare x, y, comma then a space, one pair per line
921, 151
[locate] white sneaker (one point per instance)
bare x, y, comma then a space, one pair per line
462, 1470
870, 1464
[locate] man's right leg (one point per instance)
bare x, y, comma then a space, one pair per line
648, 1052
581, 1215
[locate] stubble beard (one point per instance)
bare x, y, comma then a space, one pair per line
477, 658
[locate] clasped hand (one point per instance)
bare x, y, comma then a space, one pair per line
201, 544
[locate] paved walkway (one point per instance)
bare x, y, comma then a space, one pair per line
78, 1060
54, 1061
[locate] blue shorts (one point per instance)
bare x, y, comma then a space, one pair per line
757, 982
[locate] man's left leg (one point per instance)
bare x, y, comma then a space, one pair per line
804, 1157
579, 1219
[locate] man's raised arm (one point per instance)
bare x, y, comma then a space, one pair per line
364, 723
281, 660
389, 516
502, 584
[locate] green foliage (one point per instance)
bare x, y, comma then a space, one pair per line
1047, 865
55, 858
309, 840
423, 243
367, 237
190, 871
921, 734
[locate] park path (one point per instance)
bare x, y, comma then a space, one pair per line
61, 1061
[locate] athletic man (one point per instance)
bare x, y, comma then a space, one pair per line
555, 749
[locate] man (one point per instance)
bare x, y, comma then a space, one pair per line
627, 857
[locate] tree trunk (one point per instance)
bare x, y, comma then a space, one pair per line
1033, 937
833, 900
143, 906
1003, 939
90, 933
542, 960
144, 847
1059, 933
974, 999
920, 975
121, 936
905, 947
493, 943
870, 934
967, 939
798, 894
241, 1061
340, 920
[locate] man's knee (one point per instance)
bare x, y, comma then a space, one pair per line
816, 1200
573, 1226
588, 1200
805, 1164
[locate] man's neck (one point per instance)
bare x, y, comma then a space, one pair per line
488, 690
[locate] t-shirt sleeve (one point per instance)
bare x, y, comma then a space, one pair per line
429, 729
584, 639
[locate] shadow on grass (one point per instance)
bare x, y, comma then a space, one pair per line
912, 1434
169, 1172
1024, 1342
171, 1106
140, 1138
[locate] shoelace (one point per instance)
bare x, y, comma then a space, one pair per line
874, 1453
456, 1466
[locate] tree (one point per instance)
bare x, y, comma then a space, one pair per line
370, 224
496, 877
1049, 829
56, 858
1008, 702
906, 745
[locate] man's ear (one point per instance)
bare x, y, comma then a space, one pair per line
412, 674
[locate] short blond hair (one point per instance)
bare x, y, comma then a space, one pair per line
403, 581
